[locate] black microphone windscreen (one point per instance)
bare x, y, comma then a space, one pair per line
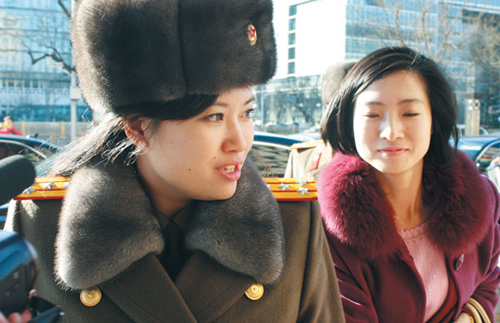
16, 174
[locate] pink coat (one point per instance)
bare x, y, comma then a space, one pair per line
377, 277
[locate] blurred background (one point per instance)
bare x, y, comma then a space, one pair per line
39, 91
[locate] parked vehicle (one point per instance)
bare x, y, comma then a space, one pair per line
270, 153
35, 150
481, 149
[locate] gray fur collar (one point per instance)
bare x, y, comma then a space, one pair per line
107, 223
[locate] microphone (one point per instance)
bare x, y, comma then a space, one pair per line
16, 174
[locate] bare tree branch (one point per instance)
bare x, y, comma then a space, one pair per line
423, 24
36, 60
396, 11
63, 7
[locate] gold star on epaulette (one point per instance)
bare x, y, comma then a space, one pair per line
284, 186
45, 188
293, 189
303, 191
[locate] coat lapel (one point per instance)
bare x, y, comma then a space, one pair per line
243, 233
146, 293
202, 292
208, 288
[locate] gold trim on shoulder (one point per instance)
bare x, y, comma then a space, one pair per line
292, 189
90, 296
45, 188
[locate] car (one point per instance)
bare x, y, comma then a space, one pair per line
481, 149
35, 150
270, 153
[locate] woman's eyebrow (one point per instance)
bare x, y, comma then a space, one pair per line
224, 104
404, 101
412, 100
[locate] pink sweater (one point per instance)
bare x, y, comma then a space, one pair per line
431, 266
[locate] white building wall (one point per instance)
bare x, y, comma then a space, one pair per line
320, 35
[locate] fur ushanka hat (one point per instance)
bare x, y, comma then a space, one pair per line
132, 52
333, 77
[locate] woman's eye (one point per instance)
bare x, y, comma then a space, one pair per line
370, 115
215, 117
248, 114
411, 114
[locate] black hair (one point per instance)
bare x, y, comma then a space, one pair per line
337, 123
105, 140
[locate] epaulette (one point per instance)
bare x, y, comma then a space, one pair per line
306, 145
283, 189
292, 189
45, 188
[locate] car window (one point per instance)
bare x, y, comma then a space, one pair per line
487, 156
9, 148
270, 159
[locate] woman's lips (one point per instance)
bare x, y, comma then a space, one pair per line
231, 172
393, 151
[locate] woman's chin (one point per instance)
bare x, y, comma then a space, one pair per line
221, 194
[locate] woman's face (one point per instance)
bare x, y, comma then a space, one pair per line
200, 158
393, 123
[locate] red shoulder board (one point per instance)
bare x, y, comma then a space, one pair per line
292, 189
45, 188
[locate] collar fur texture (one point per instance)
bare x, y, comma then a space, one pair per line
107, 223
356, 212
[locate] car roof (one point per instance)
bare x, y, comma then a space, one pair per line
30, 141
474, 145
478, 139
275, 139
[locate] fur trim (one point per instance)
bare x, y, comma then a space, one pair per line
101, 233
244, 233
355, 210
154, 51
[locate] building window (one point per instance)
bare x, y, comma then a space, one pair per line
291, 68
291, 24
291, 53
291, 39
292, 11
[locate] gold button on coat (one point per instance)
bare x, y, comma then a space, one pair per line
255, 292
90, 296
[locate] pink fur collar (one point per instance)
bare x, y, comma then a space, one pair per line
356, 212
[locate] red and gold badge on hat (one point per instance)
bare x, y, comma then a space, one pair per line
252, 34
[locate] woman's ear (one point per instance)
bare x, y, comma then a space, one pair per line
135, 131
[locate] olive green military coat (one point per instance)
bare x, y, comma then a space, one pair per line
308, 158
105, 234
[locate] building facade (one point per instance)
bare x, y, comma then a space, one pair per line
35, 30
462, 36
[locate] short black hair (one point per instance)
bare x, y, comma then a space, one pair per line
337, 123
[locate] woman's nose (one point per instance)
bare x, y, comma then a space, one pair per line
391, 128
235, 140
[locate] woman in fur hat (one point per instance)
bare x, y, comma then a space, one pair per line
412, 225
164, 219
